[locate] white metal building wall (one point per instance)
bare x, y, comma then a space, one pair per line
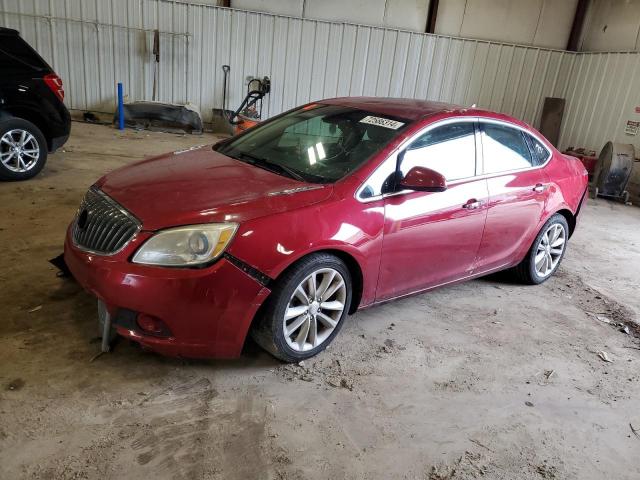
306, 59
603, 95
93, 44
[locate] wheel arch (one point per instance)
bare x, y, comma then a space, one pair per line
356, 276
32, 116
355, 269
350, 261
527, 243
569, 217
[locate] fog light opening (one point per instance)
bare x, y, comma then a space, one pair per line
152, 325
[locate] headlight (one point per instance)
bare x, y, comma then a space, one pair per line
186, 246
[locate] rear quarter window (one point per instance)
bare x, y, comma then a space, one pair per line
539, 153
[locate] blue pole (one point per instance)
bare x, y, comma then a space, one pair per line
120, 107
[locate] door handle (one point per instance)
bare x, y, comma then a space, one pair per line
540, 187
472, 204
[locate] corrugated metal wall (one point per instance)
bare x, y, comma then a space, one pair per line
95, 43
602, 96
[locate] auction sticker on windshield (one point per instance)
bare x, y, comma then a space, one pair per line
382, 122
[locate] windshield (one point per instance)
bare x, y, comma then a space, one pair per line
317, 143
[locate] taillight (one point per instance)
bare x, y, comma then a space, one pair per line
54, 82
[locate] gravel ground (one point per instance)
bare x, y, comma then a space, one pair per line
485, 379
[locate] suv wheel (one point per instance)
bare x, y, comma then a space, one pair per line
306, 309
23, 149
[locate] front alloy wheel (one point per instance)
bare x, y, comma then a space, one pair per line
306, 308
314, 310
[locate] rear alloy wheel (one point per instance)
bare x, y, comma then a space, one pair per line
306, 308
546, 253
550, 250
23, 150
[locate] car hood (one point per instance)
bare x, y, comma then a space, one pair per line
200, 185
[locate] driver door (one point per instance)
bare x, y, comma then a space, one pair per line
432, 238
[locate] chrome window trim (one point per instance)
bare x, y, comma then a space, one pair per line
479, 159
122, 210
403, 145
522, 129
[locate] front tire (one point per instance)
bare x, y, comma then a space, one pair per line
546, 252
306, 308
23, 149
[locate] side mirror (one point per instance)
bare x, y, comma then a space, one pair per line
424, 180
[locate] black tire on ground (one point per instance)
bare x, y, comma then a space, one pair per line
268, 330
20, 124
526, 271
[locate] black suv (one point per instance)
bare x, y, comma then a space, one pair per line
33, 119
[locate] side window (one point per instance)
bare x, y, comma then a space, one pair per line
449, 150
538, 151
504, 148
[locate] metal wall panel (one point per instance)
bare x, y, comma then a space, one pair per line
93, 44
603, 95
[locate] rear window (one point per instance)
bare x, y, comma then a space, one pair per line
16, 55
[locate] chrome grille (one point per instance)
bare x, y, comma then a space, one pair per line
102, 226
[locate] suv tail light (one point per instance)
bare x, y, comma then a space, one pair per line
54, 82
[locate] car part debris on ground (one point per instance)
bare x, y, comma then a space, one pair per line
604, 356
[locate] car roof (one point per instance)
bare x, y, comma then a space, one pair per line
414, 110
8, 31
408, 108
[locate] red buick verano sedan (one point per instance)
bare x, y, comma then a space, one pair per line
328, 208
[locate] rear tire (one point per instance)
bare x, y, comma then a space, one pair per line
300, 320
23, 150
546, 252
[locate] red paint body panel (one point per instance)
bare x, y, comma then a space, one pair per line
271, 244
402, 243
514, 212
430, 238
200, 186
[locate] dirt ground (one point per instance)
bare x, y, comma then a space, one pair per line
486, 379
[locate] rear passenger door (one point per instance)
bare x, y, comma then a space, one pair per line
512, 162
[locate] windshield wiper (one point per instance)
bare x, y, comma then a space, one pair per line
290, 171
273, 167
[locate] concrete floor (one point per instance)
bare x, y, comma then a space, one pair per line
483, 379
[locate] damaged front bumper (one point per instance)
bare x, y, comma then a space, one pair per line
207, 312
